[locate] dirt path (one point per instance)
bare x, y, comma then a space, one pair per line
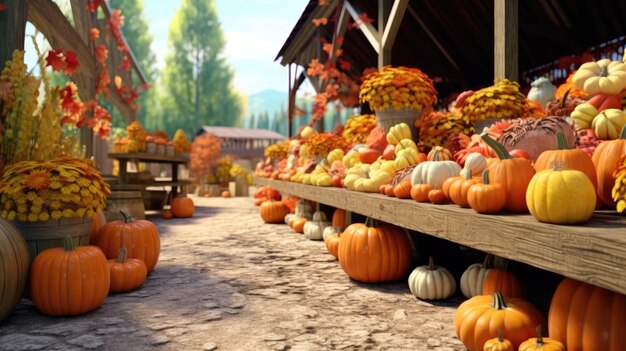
227, 281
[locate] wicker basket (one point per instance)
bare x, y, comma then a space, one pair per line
389, 118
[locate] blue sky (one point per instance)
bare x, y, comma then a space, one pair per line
255, 30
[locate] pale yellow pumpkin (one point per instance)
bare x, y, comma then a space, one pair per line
405, 158
584, 114
335, 155
398, 132
362, 178
608, 124
603, 76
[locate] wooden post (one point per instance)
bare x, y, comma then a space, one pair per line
13, 29
384, 53
506, 48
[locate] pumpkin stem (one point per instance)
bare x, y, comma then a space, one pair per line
622, 134
486, 177
500, 150
498, 301
128, 218
468, 175
431, 263
122, 254
68, 244
369, 222
561, 141
604, 72
436, 155
500, 337
488, 261
564, 97
539, 341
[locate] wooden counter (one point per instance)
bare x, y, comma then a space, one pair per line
594, 252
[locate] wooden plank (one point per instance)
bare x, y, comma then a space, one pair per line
13, 29
368, 30
393, 25
594, 252
506, 57
144, 157
342, 25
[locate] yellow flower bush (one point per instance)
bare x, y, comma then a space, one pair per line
398, 88
63, 187
276, 151
358, 127
321, 144
181, 144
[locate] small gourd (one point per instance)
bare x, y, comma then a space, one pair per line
329, 230
432, 282
498, 344
474, 276
314, 229
541, 344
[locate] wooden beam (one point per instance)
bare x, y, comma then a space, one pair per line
506, 57
368, 30
342, 26
594, 252
384, 56
13, 29
391, 27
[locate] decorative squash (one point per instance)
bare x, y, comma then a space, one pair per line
564, 105
332, 243
398, 132
298, 224
304, 208
182, 207
97, 222
341, 218
602, 76
473, 278
362, 178
69, 281
289, 217
432, 282
14, 262
140, 237
406, 157
475, 164
458, 190
606, 159
606, 101
167, 214
402, 190
314, 229
541, 344
126, 273
486, 197
444, 154
513, 174
434, 172
608, 124
226, 194
372, 253
504, 282
587, 318
584, 114
419, 192
447, 184
619, 190
570, 158
389, 190
479, 318
437, 196
498, 344
328, 231
561, 196
535, 136
273, 211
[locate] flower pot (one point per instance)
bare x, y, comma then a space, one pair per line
389, 118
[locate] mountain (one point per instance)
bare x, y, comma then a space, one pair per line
268, 100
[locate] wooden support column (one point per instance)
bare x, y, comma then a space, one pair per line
384, 56
506, 50
13, 29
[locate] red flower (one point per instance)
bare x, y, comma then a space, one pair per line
126, 63
62, 61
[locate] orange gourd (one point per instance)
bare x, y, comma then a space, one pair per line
437, 196
291, 202
273, 211
140, 237
182, 207
498, 344
69, 280
606, 159
298, 224
447, 184
339, 218
569, 158
97, 222
505, 282
486, 197
541, 344
587, 318
479, 318
167, 214
332, 244
372, 253
419, 192
127, 274
459, 188
402, 190
225, 194
514, 174
389, 190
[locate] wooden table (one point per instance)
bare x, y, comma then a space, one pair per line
594, 252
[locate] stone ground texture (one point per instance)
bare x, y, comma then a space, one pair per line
227, 281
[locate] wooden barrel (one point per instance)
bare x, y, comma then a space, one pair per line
128, 201
47, 234
14, 263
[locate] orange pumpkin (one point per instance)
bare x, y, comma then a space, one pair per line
97, 222
486, 197
226, 194
372, 253
402, 190
447, 184
68, 280
505, 282
444, 154
273, 211
182, 207
140, 237
340, 218
167, 214
291, 221
587, 318
570, 158
298, 224
389, 190
479, 318
541, 344
514, 174
606, 159
332, 243
458, 190
419, 192
498, 344
291, 202
437, 196
126, 273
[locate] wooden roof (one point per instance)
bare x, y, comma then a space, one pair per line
240, 133
453, 41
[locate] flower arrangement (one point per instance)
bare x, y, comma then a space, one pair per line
437, 127
398, 88
358, 127
63, 187
321, 144
501, 100
276, 151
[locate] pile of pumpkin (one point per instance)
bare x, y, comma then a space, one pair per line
73, 280
495, 316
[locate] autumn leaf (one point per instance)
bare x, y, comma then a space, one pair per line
101, 54
103, 81
94, 33
92, 5
344, 65
338, 52
322, 2
327, 48
320, 21
126, 64
71, 61
363, 17
62, 61
3, 7
339, 40
116, 19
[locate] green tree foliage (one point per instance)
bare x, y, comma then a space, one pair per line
197, 80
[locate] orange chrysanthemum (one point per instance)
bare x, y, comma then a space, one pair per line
38, 180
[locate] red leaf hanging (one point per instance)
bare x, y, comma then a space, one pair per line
61, 60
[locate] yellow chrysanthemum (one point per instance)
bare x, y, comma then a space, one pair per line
22, 217
44, 216
56, 214
55, 205
37, 180
55, 184
68, 213
31, 195
11, 215
33, 217
81, 212
66, 190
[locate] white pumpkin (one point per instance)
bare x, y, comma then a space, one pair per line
434, 173
474, 276
542, 90
432, 282
303, 209
475, 164
314, 229
331, 230
288, 217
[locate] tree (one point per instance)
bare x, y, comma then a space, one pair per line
263, 121
197, 79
